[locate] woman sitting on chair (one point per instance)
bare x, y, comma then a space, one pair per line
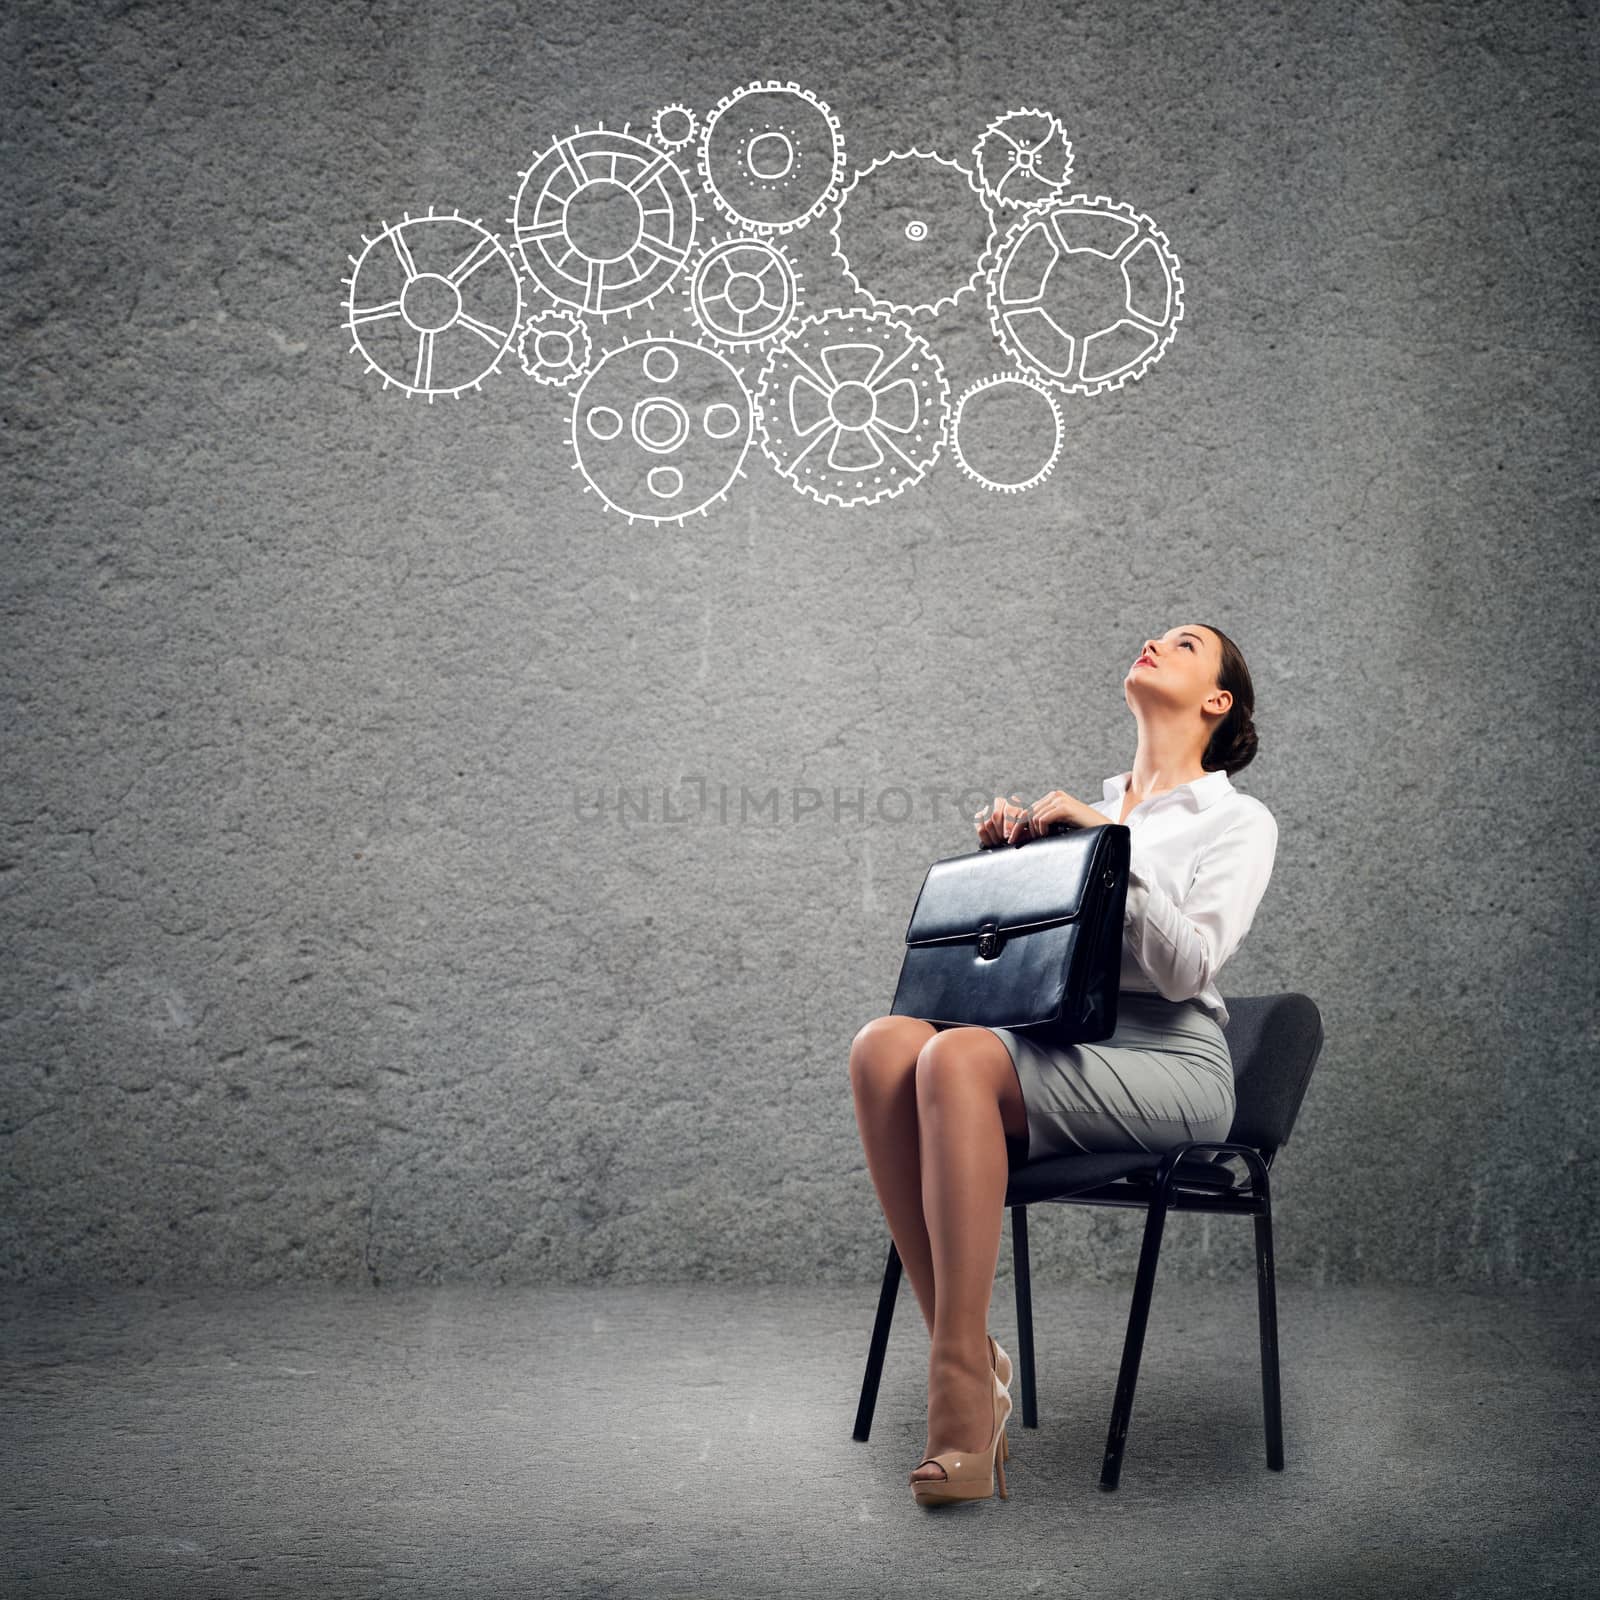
945, 1112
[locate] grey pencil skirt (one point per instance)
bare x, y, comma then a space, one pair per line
1163, 1077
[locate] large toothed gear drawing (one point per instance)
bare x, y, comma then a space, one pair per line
674, 127
1024, 158
745, 292
990, 407
553, 347
433, 303
1086, 293
603, 221
852, 407
771, 156
912, 230
661, 427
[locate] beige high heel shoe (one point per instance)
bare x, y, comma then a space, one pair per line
1001, 1363
968, 1476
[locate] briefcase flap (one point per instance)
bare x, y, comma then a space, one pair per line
1014, 887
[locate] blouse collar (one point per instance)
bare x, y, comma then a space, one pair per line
1201, 792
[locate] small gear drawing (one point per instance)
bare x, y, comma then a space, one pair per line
911, 230
852, 407
1085, 292
603, 221
553, 347
661, 427
1024, 158
987, 386
771, 156
407, 306
744, 292
674, 127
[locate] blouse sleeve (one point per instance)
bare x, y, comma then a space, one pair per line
1183, 946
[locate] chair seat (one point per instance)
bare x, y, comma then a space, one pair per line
1057, 1176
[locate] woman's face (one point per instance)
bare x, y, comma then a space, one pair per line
1179, 669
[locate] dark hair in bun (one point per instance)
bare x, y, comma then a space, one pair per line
1233, 741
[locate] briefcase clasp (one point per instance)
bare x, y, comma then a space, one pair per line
989, 940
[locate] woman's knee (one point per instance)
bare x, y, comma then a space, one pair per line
960, 1062
951, 1054
887, 1047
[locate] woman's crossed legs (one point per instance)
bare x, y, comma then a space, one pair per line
940, 1112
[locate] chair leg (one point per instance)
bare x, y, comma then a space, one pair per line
1138, 1316
880, 1343
1019, 1269
1267, 1301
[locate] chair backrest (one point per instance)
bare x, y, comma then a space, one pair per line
1274, 1040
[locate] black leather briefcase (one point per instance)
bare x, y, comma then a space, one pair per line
1022, 936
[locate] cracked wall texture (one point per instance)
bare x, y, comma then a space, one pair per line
313, 968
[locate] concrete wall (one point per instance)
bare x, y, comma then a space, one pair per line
313, 968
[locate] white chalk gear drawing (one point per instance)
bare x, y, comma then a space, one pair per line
429, 304
988, 385
912, 230
852, 407
661, 427
603, 221
771, 156
744, 291
674, 127
1024, 158
1085, 292
554, 347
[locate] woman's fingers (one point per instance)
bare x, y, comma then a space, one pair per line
1016, 821
990, 821
1002, 819
1050, 809
1000, 822
1008, 820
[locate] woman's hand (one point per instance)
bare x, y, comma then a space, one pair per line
999, 822
1057, 807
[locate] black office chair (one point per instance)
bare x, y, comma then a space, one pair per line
1274, 1041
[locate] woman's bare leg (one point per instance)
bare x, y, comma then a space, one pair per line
969, 1104
883, 1073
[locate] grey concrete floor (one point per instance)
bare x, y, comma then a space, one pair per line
696, 1441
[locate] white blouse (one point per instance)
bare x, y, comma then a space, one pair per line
1200, 858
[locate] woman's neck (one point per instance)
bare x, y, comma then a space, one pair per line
1156, 772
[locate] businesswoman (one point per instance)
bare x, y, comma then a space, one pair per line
945, 1111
